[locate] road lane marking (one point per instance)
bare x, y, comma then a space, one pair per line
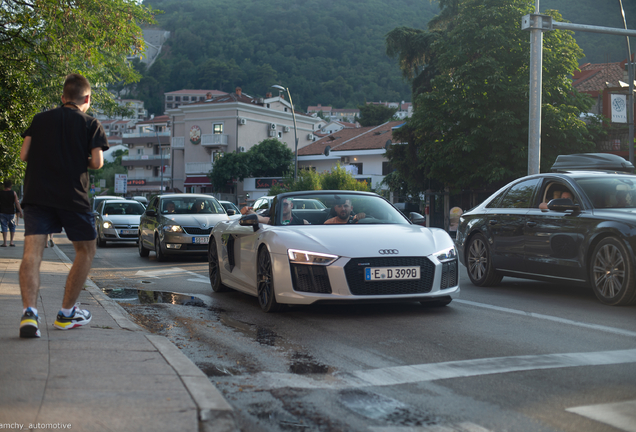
619, 415
550, 318
439, 371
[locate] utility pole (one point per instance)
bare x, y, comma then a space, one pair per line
537, 24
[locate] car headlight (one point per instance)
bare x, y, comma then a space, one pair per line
173, 228
449, 254
107, 224
305, 257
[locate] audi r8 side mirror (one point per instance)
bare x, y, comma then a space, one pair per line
250, 220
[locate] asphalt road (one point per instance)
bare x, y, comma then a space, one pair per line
524, 356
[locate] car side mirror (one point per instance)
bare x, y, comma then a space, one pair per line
250, 220
231, 212
562, 205
417, 218
151, 213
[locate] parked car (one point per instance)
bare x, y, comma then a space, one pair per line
178, 224
231, 209
587, 237
117, 220
381, 257
141, 199
99, 198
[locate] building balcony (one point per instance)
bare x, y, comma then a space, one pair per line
198, 167
146, 134
210, 140
177, 142
146, 157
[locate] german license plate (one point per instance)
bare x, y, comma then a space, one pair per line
391, 273
127, 232
200, 240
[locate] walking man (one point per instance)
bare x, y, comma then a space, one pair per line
59, 148
8, 205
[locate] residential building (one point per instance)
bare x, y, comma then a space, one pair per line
601, 82
177, 98
148, 161
345, 114
204, 130
360, 150
135, 105
326, 110
335, 126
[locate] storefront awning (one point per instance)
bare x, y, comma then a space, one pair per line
197, 181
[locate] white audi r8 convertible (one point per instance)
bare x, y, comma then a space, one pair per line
356, 248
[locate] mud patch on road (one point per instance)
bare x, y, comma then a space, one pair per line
146, 316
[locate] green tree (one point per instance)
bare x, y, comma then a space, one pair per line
374, 114
470, 123
336, 179
270, 158
44, 40
232, 166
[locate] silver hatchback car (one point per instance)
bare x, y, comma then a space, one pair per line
178, 224
117, 220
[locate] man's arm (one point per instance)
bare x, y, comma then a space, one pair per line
26, 144
97, 158
17, 204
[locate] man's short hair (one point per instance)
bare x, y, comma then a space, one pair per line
76, 87
7, 184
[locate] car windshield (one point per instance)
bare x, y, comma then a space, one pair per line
336, 209
613, 191
191, 205
123, 208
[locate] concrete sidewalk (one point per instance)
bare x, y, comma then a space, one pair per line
109, 375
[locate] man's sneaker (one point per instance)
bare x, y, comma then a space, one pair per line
29, 325
79, 317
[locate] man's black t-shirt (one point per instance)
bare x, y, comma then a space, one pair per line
57, 164
7, 202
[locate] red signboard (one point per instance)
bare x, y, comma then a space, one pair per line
136, 182
266, 183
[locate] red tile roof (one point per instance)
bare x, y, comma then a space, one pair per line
364, 138
199, 92
593, 78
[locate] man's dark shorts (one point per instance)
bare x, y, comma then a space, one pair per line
79, 226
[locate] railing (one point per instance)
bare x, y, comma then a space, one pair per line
213, 139
146, 134
178, 142
146, 157
198, 167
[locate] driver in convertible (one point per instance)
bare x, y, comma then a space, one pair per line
343, 214
287, 217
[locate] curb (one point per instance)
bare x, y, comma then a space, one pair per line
214, 412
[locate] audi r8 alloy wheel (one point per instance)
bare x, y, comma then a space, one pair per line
213, 268
479, 259
265, 288
158, 252
612, 273
143, 252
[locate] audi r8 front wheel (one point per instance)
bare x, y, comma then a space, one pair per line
214, 270
265, 283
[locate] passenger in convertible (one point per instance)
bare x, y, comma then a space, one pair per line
343, 212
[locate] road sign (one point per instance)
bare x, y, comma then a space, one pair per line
121, 183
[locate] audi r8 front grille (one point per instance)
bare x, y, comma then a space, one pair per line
310, 278
449, 274
355, 273
197, 230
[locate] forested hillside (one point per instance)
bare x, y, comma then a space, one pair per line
326, 51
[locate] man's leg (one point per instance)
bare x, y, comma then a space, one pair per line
4, 237
84, 254
30, 269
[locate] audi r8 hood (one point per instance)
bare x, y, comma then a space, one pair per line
360, 240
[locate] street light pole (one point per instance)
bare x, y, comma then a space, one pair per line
281, 88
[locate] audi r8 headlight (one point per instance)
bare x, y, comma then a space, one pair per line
445, 255
173, 228
305, 257
107, 224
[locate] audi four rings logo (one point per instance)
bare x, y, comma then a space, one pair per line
389, 251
